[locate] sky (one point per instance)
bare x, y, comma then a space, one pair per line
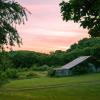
45, 31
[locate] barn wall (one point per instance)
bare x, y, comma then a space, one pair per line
91, 67
62, 72
98, 69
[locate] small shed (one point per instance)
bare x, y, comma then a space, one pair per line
83, 64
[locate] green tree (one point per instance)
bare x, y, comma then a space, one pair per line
11, 13
84, 43
85, 12
5, 62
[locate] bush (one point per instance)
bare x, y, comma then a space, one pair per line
11, 73
3, 78
31, 75
5, 62
51, 72
40, 68
27, 75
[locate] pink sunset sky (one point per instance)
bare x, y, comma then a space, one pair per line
45, 30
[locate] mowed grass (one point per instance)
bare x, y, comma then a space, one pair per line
84, 87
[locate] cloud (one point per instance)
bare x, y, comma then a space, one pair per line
45, 30
43, 43
39, 2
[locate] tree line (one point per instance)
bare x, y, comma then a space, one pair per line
27, 59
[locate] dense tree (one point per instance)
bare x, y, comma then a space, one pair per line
85, 12
84, 43
57, 58
22, 59
40, 61
11, 13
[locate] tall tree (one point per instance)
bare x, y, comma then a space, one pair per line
11, 13
85, 12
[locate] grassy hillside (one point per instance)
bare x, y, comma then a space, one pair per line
85, 87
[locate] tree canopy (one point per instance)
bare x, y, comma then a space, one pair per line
11, 13
85, 12
85, 43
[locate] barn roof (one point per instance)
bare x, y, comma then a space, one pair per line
75, 62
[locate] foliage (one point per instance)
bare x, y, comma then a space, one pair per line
5, 61
11, 13
84, 47
11, 73
24, 59
84, 43
85, 12
51, 72
31, 75
93, 51
40, 68
28, 74
37, 61
3, 78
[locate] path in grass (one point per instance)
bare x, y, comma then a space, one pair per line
96, 82
86, 87
36, 82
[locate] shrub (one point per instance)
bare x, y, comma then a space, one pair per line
51, 72
27, 75
11, 73
5, 62
40, 68
3, 78
31, 75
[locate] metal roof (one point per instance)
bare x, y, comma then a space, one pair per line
75, 62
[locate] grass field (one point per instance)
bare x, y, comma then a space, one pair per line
84, 87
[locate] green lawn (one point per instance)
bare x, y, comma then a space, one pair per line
84, 87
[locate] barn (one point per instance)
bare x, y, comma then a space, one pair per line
80, 65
